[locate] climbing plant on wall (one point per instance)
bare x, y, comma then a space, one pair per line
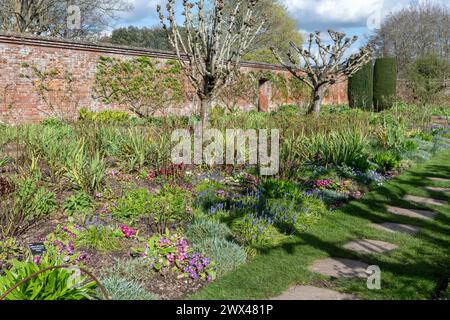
245, 88
144, 85
56, 88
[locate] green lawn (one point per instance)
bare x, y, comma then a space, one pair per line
418, 269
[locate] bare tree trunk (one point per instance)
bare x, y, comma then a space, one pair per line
316, 101
205, 107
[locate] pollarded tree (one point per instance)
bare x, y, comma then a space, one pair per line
326, 67
213, 46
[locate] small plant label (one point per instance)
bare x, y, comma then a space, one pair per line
37, 248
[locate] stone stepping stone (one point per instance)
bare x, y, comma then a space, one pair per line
313, 293
438, 189
427, 201
365, 246
338, 267
412, 213
438, 179
396, 227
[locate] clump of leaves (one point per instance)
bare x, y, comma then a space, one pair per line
227, 255
386, 160
160, 211
168, 207
203, 229
121, 288
104, 116
9, 251
85, 172
98, 237
132, 205
55, 284
25, 207
79, 203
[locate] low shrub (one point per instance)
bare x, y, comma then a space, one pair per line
386, 160
79, 203
169, 207
133, 269
98, 237
226, 255
85, 172
347, 147
273, 189
120, 288
160, 211
331, 197
22, 209
202, 229
132, 205
104, 116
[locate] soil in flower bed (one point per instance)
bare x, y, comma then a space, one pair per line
169, 286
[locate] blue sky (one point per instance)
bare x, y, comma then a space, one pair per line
349, 16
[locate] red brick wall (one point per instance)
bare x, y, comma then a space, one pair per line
20, 102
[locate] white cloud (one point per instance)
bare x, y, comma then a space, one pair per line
310, 13
323, 14
142, 10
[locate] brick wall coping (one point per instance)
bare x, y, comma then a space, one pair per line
31, 40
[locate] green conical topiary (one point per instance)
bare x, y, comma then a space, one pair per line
360, 88
384, 83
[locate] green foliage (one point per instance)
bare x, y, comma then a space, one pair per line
98, 237
278, 31
56, 284
9, 251
104, 116
52, 122
136, 269
360, 88
386, 160
132, 205
154, 38
175, 253
135, 149
145, 86
202, 229
208, 193
168, 207
226, 255
23, 208
385, 83
85, 171
347, 147
333, 197
256, 231
120, 288
139, 148
161, 210
427, 78
274, 189
78, 203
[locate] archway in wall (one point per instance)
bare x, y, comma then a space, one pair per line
264, 95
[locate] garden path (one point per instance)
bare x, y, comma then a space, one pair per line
344, 268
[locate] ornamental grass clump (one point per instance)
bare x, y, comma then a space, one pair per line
226, 254
121, 288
